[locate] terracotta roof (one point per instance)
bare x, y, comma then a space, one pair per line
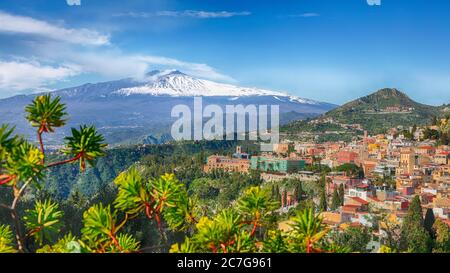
350, 208
426, 147
374, 199
360, 200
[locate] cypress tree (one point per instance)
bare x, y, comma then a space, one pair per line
428, 222
323, 201
300, 192
296, 193
341, 194
414, 237
277, 193
335, 201
415, 215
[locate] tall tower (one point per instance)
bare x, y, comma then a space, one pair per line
364, 150
407, 161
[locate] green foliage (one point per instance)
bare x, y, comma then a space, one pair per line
308, 230
386, 249
276, 242
323, 205
100, 228
442, 232
68, 244
354, 239
127, 244
163, 196
232, 229
415, 215
184, 214
43, 222
428, 222
46, 113
165, 192
350, 169
7, 142
25, 163
414, 237
341, 193
418, 241
6, 240
186, 247
223, 228
335, 201
133, 195
85, 145
442, 135
255, 205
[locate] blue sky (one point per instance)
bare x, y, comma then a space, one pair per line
328, 50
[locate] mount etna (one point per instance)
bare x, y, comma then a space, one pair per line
139, 111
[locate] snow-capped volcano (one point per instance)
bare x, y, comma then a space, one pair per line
178, 84
135, 111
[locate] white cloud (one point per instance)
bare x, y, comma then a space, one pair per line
26, 25
185, 13
305, 15
118, 65
194, 69
19, 75
73, 2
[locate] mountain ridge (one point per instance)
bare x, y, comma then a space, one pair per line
142, 117
376, 113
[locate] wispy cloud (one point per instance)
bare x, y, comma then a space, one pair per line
185, 13
195, 69
113, 64
304, 15
64, 55
10, 23
22, 75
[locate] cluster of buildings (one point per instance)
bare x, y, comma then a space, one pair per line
395, 170
269, 163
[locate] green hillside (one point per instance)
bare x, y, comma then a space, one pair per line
376, 113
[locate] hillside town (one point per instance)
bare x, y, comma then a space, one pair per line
394, 169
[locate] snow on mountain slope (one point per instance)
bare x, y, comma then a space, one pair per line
177, 84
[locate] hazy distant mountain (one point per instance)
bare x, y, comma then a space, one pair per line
378, 112
132, 111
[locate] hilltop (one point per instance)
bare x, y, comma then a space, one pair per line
376, 113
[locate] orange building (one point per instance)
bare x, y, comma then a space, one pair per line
344, 157
281, 148
227, 164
